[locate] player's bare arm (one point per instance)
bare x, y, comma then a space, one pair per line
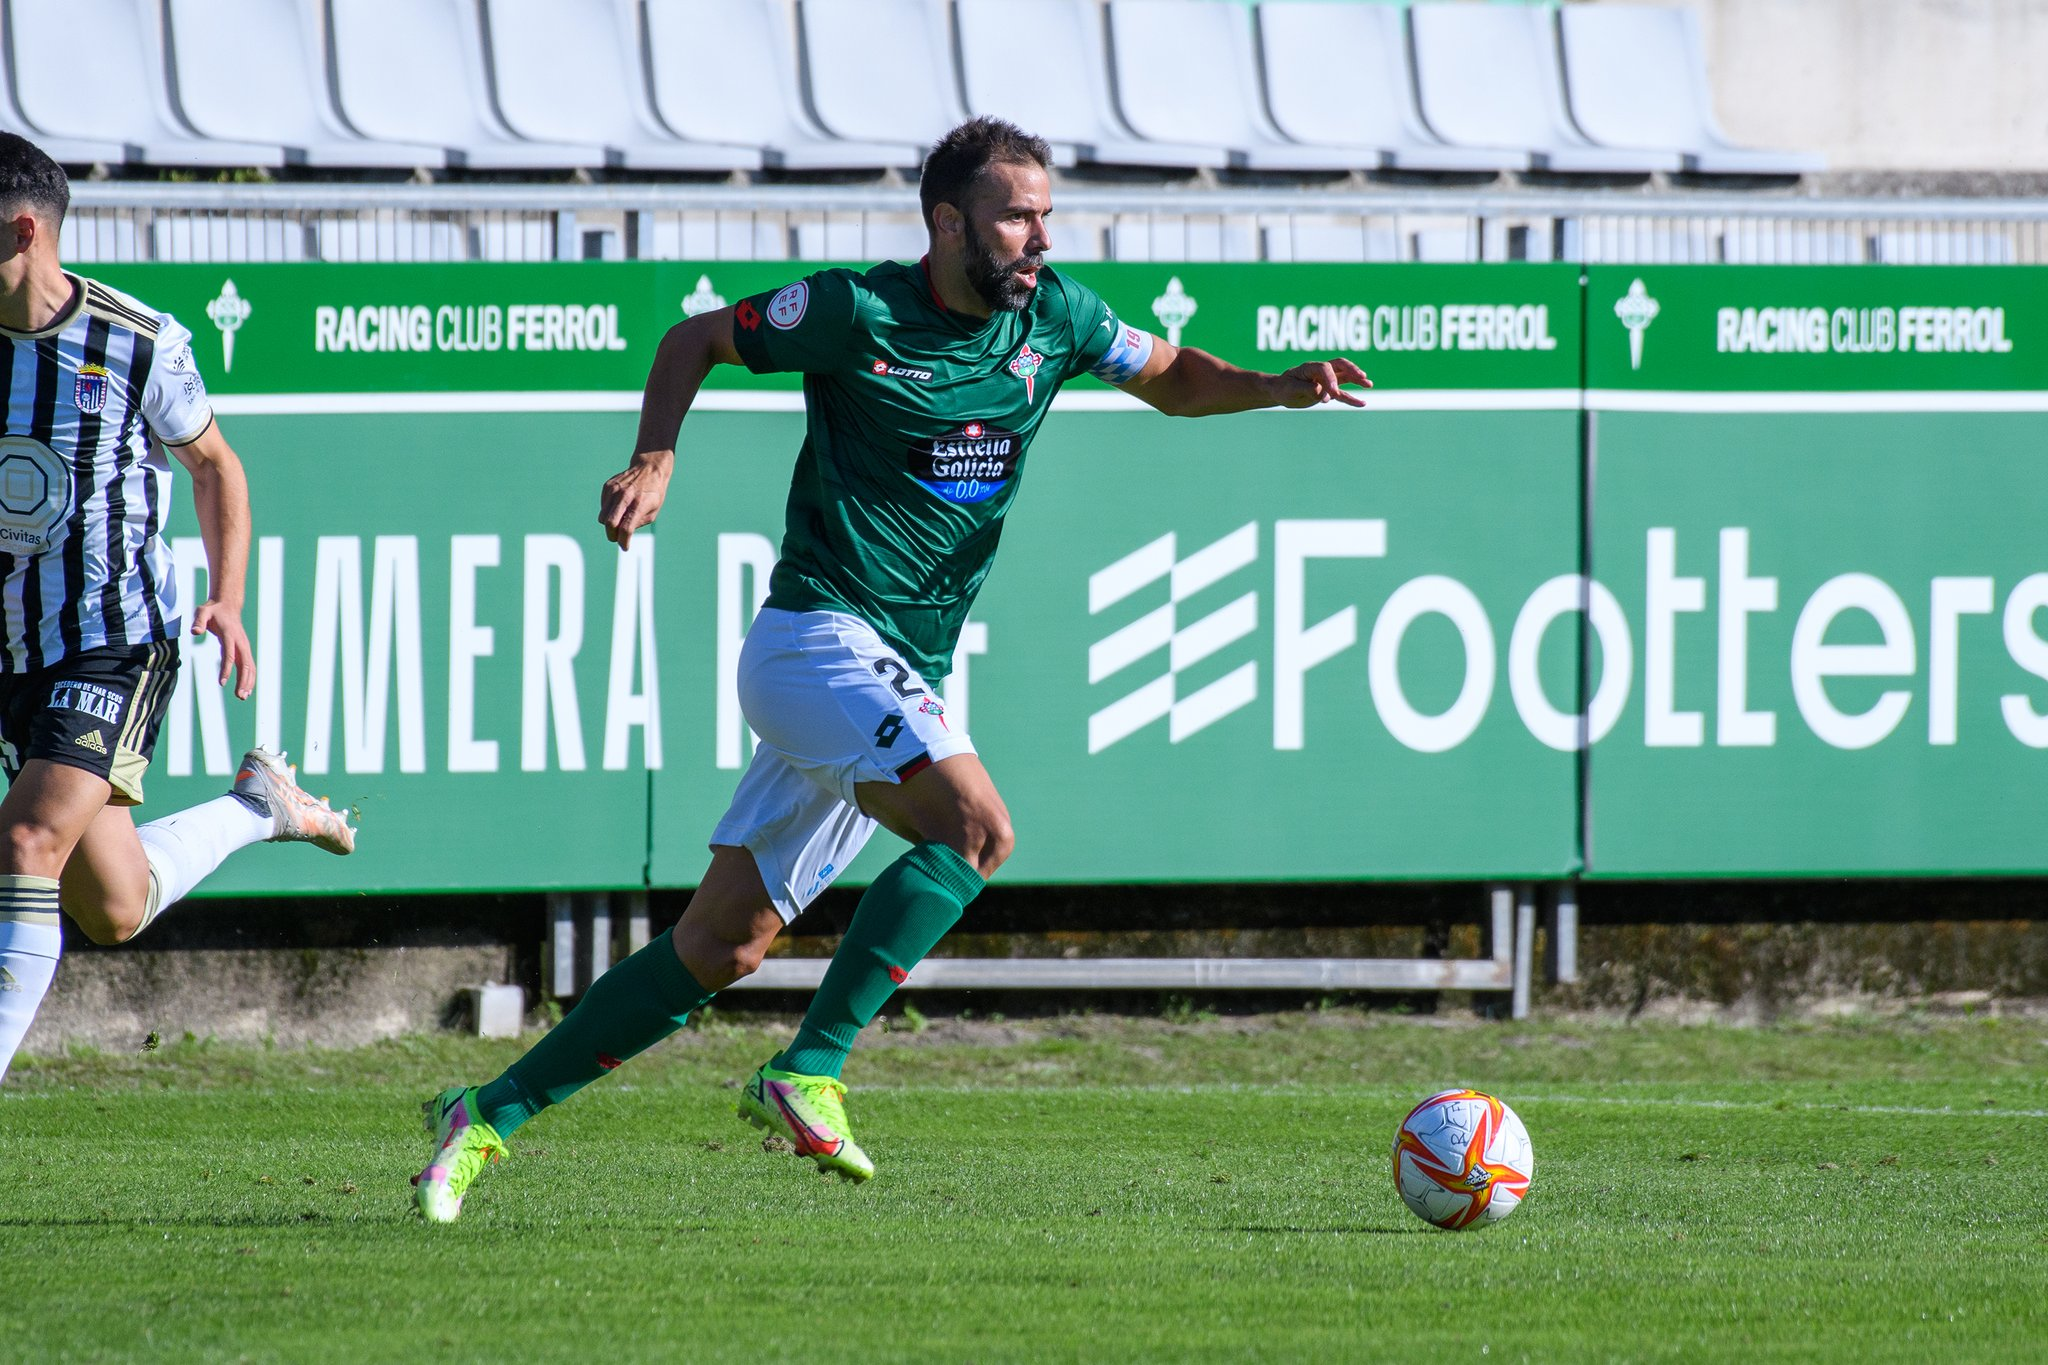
1182, 381
220, 495
633, 497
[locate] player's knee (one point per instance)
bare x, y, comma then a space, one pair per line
986, 840
712, 961
32, 849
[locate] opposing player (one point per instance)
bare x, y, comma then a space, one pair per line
94, 388
924, 385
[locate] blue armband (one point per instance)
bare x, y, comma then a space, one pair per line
1126, 356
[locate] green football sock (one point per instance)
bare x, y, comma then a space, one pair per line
626, 1011
902, 917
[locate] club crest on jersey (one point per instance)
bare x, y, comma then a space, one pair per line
1026, 367
90, 392
969, 465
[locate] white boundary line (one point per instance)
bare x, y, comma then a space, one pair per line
1902, 400
1803, 1106
788, 400
1515, 1095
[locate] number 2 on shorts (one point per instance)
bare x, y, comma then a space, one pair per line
898, 675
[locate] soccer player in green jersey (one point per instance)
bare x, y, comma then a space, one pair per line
924, 385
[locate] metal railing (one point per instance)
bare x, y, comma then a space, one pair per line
122, 222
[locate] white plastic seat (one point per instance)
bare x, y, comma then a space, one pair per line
1188, 69
258, 68
414, 71
68, 151
1337, 75
726, 71
589, 51
1057, 84
881, 70
128, 98
1487, 76
1637, 77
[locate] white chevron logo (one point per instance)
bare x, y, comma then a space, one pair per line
1160, 628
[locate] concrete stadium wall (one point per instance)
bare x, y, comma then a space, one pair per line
1893, 85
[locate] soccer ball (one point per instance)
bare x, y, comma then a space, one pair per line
1462, 1159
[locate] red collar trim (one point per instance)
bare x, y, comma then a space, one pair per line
924, 263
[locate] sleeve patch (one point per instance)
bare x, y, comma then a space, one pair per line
786, 309
1125, 359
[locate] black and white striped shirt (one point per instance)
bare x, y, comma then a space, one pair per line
84, 490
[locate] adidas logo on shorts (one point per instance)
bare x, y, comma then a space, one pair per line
91, 740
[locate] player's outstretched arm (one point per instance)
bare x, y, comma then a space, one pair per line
633, 497
1182, 381
220, 495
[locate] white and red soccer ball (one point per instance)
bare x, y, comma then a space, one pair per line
1462, 1159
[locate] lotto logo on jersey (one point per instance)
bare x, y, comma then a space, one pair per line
968, 465
887, 371
90, 392
786, 309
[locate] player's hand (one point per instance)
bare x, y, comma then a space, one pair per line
224, 624
1319, 381
633, 498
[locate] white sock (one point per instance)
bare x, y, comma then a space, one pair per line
186, 846
28, 960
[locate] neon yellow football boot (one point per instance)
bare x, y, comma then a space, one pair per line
463, 1145
809, 1112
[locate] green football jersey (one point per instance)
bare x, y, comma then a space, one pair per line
918, 418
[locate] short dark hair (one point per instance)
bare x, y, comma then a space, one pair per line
960, 157
30, 179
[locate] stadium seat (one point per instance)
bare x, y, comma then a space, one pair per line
1338, 75
67, 151
1637, 77
571, 71
726, 71
1188, 69
414, 71
246, 69
881, 70
128, 99
1056, 85
1487, 76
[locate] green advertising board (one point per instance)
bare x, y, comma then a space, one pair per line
1263, 646
1817, 496
1794, 504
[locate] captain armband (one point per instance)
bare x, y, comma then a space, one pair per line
1125, 359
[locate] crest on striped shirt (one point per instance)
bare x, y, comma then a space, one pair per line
90, 392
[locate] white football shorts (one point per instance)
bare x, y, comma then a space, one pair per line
833, 706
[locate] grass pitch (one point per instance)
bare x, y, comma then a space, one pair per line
1085, 1189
